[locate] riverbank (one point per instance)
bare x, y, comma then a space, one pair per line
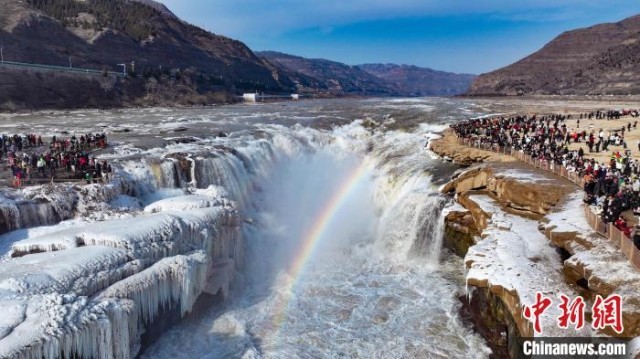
448, 148
523, 231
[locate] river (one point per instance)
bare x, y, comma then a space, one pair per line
341, 220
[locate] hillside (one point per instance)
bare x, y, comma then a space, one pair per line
154, 43
601, 59
419, 81
328, 77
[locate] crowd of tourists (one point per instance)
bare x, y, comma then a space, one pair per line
29, 157
611, 187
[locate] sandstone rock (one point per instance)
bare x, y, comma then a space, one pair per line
529, 198
475, 178
448, 147
460, 232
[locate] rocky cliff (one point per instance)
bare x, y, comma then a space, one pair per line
601, 59
447, 147
419, 81
521, 231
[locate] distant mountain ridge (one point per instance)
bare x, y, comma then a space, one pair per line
159, 7
412, 80
599, 60
104, 33
369, 79
325, 76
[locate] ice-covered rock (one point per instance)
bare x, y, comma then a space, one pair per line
66, 326
179, 279
82, 271
596, 261
47, 312
94, 288
515, 261
152, 236
180, 204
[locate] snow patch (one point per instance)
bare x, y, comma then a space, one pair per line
516, 256
181, 203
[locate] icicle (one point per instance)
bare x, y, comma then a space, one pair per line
176, 280
168, 261
10, 216
194, 181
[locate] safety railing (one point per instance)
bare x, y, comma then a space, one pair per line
608, 230
61, 68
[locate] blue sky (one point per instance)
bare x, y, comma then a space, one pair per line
453, 35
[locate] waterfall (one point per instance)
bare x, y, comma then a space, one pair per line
272, 182
428, 224
224, 170
351, 282
411, 225
9, 217
171, 172
237, 170
33, 214
38, 211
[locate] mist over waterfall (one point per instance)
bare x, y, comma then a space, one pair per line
375, 271
313, 230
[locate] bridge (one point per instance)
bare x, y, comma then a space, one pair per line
259, 97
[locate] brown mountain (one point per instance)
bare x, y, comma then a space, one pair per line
321, 76
173, 59
601, 59
419, 81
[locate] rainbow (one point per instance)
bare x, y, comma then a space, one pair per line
314, 234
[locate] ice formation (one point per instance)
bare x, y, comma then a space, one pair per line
90, 289
181, 203
164, 230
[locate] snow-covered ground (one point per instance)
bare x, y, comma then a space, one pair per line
516, 256
602, 262
523, 175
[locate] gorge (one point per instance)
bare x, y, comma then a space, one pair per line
313, 228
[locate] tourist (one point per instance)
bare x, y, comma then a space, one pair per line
615, 187
40, 164
72, 154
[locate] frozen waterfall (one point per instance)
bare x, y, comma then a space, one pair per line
332, 237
